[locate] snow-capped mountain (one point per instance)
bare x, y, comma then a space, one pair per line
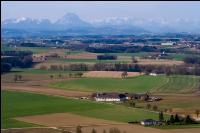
157, 25
26, 23
71, 20
71, 24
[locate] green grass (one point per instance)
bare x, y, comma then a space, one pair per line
180, 57
38, 71
177, 84
5, 48
16, 104
181, 84
33, 49
134, 84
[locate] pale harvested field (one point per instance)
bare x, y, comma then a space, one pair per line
64, 120
133, 129
49, 91
110, 74
159, 62
82, 56
128, 128
32, 130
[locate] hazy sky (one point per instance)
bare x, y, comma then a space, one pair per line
95, 10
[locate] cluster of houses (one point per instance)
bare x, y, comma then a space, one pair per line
117, 97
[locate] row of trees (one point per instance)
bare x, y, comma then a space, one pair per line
180, 120
159, 69
192, 60
106, 57
122, 49
70, 75
111, 130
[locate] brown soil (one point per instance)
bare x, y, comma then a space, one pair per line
45, 90
99, 129
32, 130
112, 74
83, 56
159, 62
64, 120
128, 128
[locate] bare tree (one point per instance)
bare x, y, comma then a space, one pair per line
124, 74
134, 60
51, 76
197, 112
60, 76
114, 130
20, 77
78, 129
155, 107
148, 106
94, 131
15, 78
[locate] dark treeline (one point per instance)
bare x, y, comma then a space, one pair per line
106, 57
122, 49
159, 69
16, 53
29, 45
22, 59
192, 60
107, 41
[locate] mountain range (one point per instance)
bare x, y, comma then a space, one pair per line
71, 24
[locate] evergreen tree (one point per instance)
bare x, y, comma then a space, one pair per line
172, 119
176, 118
161, 117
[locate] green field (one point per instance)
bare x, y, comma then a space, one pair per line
16, 104
143, 83
180, 84
38, 71
33, 49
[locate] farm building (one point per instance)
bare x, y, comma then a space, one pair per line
150, 122
167, 43
116, 97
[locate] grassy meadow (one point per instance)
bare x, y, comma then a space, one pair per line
16, 104
171, 84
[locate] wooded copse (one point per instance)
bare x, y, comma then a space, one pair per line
106, 57
159, 69
22, 59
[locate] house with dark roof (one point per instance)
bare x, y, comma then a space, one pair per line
110, 97
150, 122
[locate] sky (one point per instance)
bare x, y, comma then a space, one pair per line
98, 10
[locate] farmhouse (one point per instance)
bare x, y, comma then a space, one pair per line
167, 43
116, 97
109, 97
150, 122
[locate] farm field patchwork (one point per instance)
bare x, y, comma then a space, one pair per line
18, 104
178, 84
